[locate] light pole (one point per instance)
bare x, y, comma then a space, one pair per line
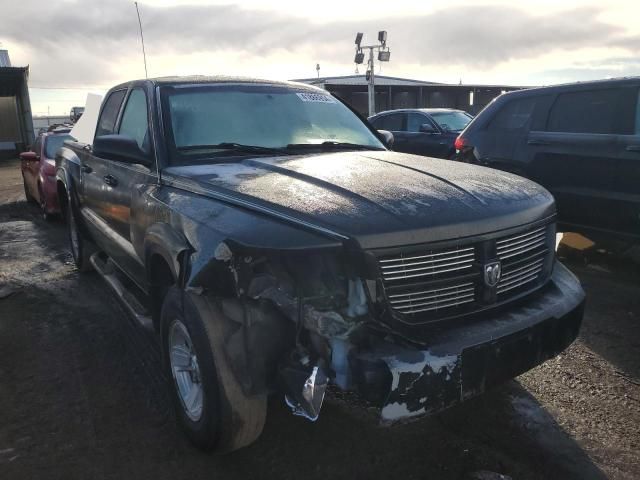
383, 56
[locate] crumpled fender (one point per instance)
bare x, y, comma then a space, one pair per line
161, 239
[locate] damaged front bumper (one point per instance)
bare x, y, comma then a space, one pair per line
463, 361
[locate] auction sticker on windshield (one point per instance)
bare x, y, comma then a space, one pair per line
315, 97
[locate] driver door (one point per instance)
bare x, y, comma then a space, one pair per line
424, 137
125, 182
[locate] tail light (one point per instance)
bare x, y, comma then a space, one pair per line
460, 143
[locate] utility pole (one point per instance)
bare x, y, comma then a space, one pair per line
383, 56
144, 55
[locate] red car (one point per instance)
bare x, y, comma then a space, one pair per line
39, 171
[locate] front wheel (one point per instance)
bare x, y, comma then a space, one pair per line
210, 405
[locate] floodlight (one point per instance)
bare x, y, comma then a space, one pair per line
358, 38
359, 58
382, 36
383, 56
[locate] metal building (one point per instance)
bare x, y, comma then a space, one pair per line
394, 92
16, 126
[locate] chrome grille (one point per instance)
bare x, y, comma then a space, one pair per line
521, 244
522, 258
520, 276
432, 299
428, 265
431, 284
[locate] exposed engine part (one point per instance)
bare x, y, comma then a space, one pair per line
223, 252
326, 323
357, 299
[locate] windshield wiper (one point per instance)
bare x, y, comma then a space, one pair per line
235, 147
331, 145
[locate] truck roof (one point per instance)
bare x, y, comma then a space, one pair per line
205, 79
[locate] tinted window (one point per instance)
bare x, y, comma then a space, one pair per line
638, 115
515, 115
109, 114
610, 111
134, 119
392, 122
452, 121
414, 120
376, 123
53, 143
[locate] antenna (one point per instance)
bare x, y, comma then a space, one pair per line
144, 55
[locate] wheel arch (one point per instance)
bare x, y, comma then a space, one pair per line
63, 197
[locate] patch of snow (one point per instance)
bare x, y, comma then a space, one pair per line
395, 411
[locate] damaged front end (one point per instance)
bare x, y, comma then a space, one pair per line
299, 322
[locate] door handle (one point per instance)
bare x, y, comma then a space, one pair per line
86, 169
534, 141
633, 148
110, 180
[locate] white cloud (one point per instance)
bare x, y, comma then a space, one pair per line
92, 44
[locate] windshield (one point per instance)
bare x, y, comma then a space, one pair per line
452, 121
53, 143
270, 117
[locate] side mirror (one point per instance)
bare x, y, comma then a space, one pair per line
387, 138
427, 128
29, 156
121, 148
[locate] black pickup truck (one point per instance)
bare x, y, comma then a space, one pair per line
275, 244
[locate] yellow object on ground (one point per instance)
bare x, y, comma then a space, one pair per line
576, 241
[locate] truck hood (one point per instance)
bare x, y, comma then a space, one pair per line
377, 198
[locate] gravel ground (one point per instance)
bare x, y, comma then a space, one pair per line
81, 395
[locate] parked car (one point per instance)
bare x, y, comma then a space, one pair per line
581, 141
431, 132
75, 114
276, 246
39, 171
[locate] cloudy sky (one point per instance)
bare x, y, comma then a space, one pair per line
79, 46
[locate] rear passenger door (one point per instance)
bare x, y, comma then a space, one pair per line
585, 155
626, 180
93, 170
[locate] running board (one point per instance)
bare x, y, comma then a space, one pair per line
108, 271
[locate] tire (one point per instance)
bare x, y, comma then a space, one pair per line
81, 248
225, 419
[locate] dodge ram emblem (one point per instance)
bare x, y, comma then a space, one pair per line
492, 272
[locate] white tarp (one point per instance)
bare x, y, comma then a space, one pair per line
85, 129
